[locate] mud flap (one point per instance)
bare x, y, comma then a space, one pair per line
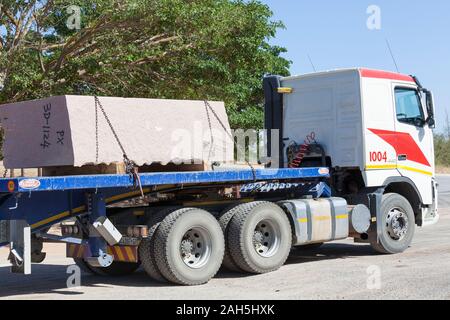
375, 207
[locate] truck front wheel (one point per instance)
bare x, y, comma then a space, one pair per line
398, 225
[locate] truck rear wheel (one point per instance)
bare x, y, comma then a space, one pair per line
147, 245
224, 221
116, 269
146, 254
189, 246
398, 225
259, 237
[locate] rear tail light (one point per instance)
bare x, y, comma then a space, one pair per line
144, 232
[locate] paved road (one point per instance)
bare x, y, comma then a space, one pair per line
339, 270
444, 191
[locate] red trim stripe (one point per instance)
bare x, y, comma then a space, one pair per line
404, 144
368, 73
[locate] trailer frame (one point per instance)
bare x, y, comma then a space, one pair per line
31, 205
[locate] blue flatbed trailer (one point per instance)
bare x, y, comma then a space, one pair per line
40, 202
44, 201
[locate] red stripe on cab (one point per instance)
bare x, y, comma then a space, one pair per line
368, 73
404, 144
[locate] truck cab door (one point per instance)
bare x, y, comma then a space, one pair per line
414, 140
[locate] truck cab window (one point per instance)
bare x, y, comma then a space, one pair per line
408, 106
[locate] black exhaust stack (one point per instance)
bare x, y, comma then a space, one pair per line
273, 111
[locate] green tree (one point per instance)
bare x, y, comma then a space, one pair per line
178, 49
442, 150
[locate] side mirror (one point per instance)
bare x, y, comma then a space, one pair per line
431, 123
430, 109
419, 122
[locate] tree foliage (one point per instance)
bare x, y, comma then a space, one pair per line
442, 150
179, 49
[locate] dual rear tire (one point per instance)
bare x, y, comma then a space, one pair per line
258, 238
189, 245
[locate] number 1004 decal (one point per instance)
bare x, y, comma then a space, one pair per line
378, 156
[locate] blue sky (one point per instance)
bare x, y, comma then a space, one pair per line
335, 35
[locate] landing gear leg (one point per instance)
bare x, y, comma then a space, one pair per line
97, 245
20, 246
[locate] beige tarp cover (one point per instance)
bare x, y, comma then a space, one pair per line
61, 131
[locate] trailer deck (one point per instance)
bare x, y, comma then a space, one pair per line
26, 185
44, 201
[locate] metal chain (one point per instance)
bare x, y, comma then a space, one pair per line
229, 135
130, 166
5, 173
99, 105
210, 132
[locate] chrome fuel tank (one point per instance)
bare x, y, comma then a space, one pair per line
318, 220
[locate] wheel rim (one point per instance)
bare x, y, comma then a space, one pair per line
397, 224
195, 247
266, 238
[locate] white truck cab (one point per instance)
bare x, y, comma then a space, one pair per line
374, 129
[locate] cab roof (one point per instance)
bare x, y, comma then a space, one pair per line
364, 73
